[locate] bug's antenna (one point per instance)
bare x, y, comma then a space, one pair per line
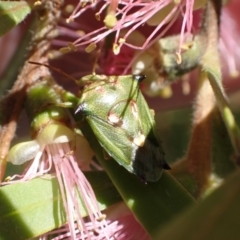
55, 69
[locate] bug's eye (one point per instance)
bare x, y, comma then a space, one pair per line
139, 78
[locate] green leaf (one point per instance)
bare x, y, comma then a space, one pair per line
222, 149
32, 208
11, 14
171, 124
217, 217
104, 189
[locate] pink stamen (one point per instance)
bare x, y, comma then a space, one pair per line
73, 186
121, 228
187, 22
134, 19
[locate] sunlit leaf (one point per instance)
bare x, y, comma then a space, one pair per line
35, 207
217, 217
222, 150
11, 14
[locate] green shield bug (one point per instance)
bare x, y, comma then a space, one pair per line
119, 116
117, 113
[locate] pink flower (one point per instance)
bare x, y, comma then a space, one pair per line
136, 32
133, 15
51, 152
121, 225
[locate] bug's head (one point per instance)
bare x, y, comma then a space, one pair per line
80, 108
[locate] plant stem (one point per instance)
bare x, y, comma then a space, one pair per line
11, 106
198, 158
16, 62
212, 69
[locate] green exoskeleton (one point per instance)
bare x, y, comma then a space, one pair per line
119, 116
123, 124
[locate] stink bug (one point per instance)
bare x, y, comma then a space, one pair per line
117, 113
119, 116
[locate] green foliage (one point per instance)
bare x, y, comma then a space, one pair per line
35, 207
222, 150
11, 14
217, 217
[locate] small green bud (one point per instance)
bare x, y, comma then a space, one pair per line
23, 152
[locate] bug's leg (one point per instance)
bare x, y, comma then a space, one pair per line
65, 105
68, 100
